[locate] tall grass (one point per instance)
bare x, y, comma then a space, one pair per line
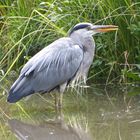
28, 26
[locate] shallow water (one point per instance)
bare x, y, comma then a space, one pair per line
95, 113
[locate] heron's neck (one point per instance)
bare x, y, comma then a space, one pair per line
87, 42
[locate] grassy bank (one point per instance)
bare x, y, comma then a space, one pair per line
27, 26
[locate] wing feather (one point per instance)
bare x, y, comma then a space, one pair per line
54, 65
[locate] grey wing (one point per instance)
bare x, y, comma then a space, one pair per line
53, 66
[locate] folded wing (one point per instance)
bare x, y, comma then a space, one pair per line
54, 65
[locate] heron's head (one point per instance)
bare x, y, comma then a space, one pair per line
88, 29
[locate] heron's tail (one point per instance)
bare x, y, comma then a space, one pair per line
19, 89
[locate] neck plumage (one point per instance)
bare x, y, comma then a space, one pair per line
87, 42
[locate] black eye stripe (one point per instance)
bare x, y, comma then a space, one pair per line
82, 26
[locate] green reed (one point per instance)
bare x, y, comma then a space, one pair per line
28, 26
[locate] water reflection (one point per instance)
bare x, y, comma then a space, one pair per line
53, 130
100, 114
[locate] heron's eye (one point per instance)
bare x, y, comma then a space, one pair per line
88, 28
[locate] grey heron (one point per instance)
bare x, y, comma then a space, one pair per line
55, 66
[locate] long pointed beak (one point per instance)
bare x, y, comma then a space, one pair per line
104, 28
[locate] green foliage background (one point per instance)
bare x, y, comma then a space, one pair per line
27, 26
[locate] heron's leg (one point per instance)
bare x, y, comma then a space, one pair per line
62, 89
60, 101
56, 100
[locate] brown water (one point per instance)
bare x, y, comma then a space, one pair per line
94, 113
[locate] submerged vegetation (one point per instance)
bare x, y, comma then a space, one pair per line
27, 26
